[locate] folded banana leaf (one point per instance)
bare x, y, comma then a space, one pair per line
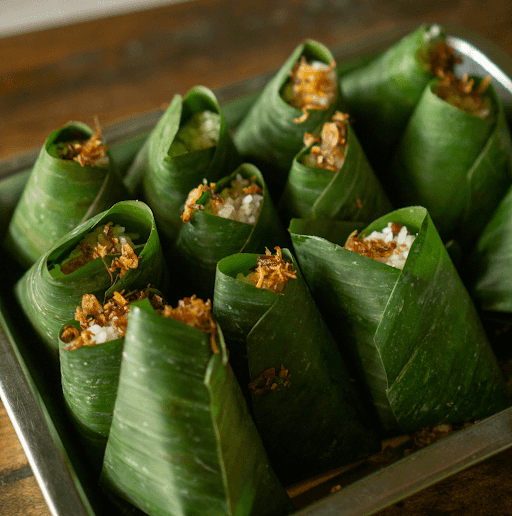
456, 164
414, 334
207, 238
268, 136
60, 194
382, 94
182, 440
312, 419
48, 301
162, 177
487, 270
351, 193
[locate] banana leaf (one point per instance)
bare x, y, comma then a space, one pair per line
59, 195
318, 421
352, 193
48, 302
382, 94
414, 334
268, 136
90, 377
455, 164
182, 440
487, 270
207, 238
164, 181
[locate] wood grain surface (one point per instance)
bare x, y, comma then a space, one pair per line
123, 66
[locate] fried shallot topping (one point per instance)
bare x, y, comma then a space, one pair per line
332, 144
98, 324
87, 152
272, 272
268, 380
442, 59
314, 86
128, 259
196, 313
375, 248
461, 94
191, 203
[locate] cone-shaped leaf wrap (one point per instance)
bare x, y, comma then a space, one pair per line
49, 302
268, 135
381, 95
415, 335
456, 164
316, 421
207, 238
165, 180
352, 193
59, 195
182, 440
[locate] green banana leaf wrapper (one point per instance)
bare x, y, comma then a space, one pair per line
182, 440
207, 238
352, 193
414, 335
455, 164
268, 136
164, 181
318, 421
89, 378
49, 302
487, 269
59, 195
381, 96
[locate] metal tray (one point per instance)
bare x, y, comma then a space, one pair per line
36, 407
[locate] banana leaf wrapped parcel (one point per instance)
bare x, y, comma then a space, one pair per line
381, 95
455, 157
236, 214
90, 348
191, 142
98, 257
73, 179
302, 95
306, 409
413, 332
182, 440
331, 178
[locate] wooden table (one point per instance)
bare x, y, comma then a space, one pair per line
123, 66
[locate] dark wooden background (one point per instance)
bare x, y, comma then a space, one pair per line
123, 66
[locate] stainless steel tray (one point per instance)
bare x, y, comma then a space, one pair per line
36, 410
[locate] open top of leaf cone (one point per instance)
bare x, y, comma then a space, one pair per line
416, 338
207, 238
163, 180
454, 163
48, 302
268, 135
67, 193
181, 428
305, 407
351, 193
382, 94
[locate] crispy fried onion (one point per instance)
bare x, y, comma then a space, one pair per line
128, 259
268, 380
191, 203
196, 313
461, 94
373, 248
332, 148
313, 88
87, 152
442, 59
112, 314
273, 272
